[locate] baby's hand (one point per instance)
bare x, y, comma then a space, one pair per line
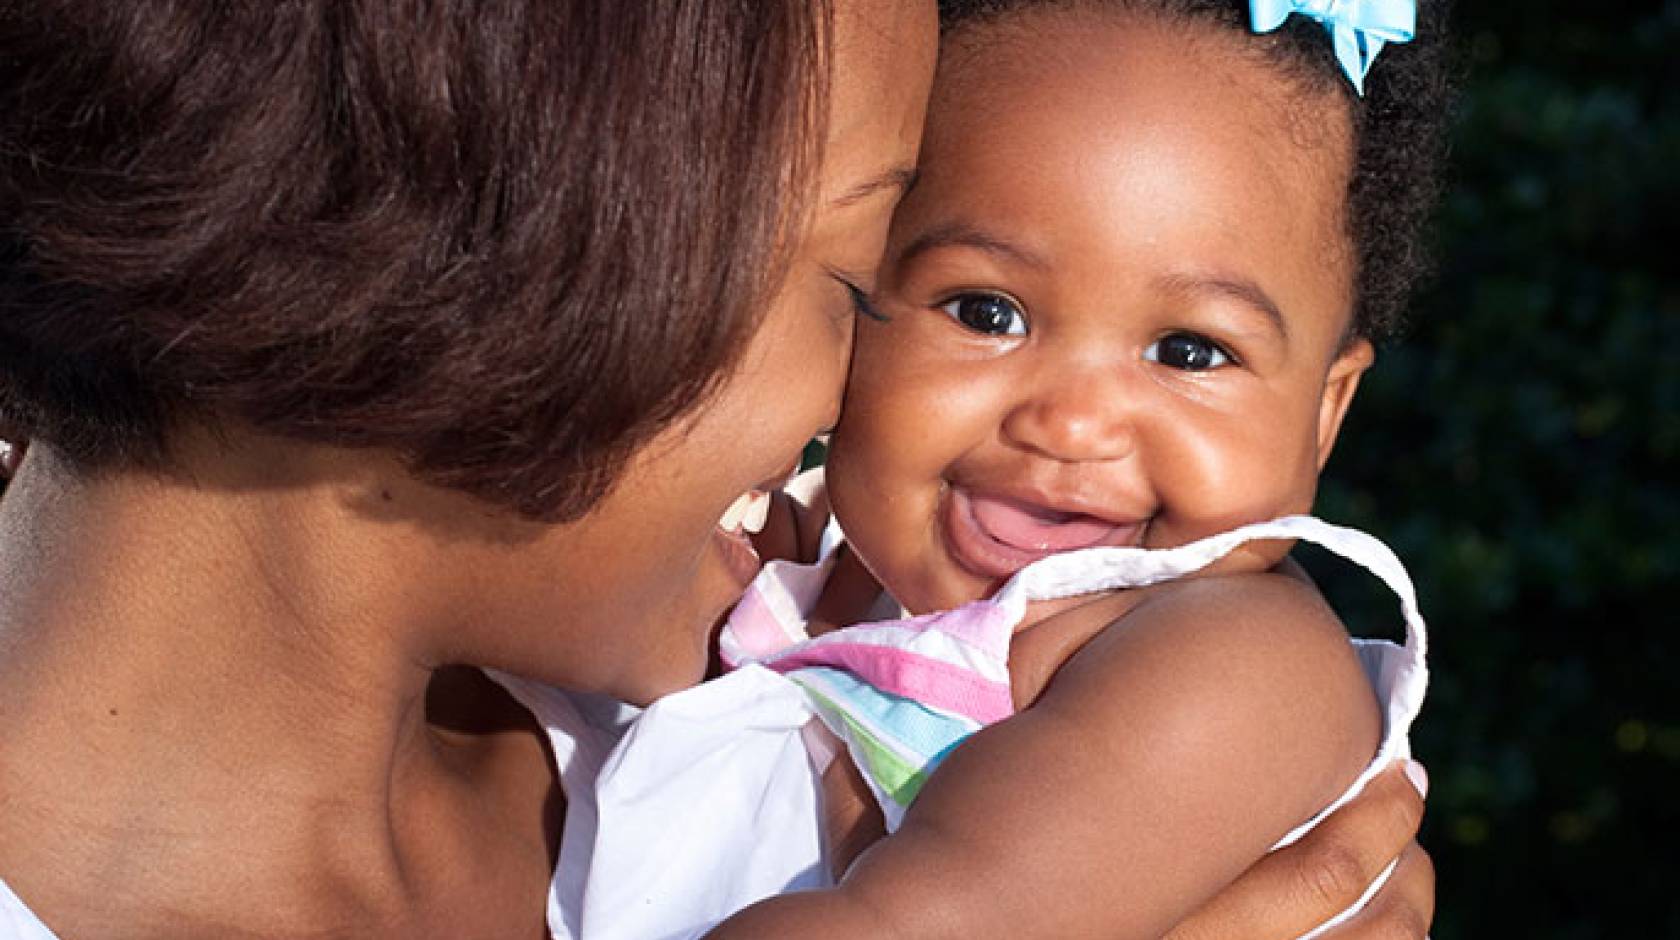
852, 820
798, 514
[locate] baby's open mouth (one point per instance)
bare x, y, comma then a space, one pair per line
1036, 528
995, 536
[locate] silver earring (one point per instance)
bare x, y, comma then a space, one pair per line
10, 456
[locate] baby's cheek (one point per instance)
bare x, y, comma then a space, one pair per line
1248, 474
874, 356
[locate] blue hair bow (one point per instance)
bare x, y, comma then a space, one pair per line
1359, 28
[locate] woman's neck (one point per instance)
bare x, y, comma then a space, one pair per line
215, 705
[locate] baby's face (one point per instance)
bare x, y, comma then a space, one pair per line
1118, 298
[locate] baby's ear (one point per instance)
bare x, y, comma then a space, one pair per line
1339, 386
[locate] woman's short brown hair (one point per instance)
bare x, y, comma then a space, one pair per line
506, 240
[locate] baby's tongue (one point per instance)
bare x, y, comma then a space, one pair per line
1034, 528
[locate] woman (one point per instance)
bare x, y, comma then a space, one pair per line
359, 344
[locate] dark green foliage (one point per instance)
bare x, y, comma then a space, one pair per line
1520, 448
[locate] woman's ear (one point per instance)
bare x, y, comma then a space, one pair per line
1343, 380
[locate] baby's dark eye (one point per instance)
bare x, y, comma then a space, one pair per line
989, 314
1187, 351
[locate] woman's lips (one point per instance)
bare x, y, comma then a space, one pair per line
739, 556
744, 518
996, 536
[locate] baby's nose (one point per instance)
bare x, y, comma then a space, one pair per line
1074, 418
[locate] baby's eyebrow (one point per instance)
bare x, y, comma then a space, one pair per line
963, 235
1242, 290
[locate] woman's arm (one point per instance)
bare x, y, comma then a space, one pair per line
1151, 772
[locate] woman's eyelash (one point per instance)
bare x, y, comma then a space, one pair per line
865, 305
862, 303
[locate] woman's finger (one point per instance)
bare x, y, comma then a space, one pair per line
1298, 887
1403, 908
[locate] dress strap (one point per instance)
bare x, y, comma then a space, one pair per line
1101, 569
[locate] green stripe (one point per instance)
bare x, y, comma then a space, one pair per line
900, 779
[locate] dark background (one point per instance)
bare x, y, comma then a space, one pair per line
1520, 448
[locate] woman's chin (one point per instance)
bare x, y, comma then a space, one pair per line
653, 683
730, 564
735, 565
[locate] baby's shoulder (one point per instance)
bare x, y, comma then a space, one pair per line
1267, 607
1255, 649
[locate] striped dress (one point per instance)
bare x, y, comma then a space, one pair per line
901, 693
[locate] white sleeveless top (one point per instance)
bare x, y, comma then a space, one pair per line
707, 801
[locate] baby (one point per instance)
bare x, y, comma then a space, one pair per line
1123, 315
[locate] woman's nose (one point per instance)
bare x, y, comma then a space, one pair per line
1074, 418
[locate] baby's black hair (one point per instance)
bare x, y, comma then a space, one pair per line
1399, 128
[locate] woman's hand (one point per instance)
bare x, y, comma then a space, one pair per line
1296, 888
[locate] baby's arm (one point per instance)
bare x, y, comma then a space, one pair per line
1165, 756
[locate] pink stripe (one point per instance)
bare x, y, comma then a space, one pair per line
913, 676
756, 631
983, 624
